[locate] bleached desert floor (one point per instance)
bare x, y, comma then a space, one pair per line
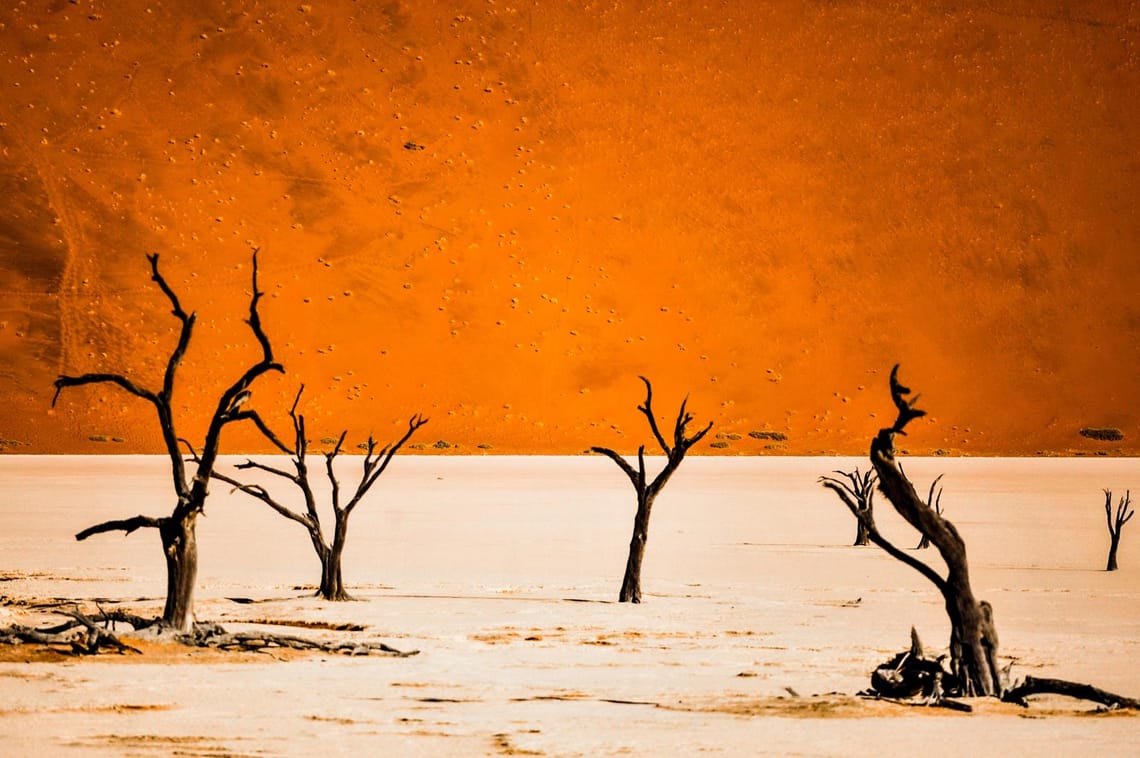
760, 624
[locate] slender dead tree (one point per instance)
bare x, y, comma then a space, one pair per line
1116, 522
973, 637
647, 491
861, 488
177, 531
933, 501
330, 552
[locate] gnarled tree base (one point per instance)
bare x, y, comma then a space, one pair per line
910, 674
910, 678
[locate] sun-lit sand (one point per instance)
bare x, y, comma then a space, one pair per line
760, 624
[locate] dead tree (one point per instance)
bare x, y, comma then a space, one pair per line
647, 491
861, 488
329, 552
1116, 522
973, 637
177, 530
933, 501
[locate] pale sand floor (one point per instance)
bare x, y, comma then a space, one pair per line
502, 573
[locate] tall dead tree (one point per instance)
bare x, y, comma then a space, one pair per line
330, 552
973, 637
861, 488
647, 491
1116, 522
177, 531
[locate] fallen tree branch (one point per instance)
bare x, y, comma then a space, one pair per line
126, 525
92, 639
213, 636
1044, 686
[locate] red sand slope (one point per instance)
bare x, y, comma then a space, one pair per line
499, 214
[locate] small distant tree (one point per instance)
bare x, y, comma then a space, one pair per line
1116, 522
647, 491
178, 530
934, 502
328, 551
861, 488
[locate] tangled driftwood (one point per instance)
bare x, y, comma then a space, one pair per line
86, 634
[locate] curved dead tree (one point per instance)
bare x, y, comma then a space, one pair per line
329, 551
973, 638
860, 487
177, 530
1116, 522
647, 491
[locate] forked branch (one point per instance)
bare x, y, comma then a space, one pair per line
376, 463
647, 409
637, 478
1123, 515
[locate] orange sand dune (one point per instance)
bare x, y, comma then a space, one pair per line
499, 214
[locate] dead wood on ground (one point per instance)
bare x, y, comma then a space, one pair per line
94, 634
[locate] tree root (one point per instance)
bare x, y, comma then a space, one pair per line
79, 636
92, 635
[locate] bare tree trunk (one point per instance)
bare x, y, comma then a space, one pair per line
332, 584
862, 537
1112, 565
631, 582
180, 546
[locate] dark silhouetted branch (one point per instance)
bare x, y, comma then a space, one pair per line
907, 411
1041, 686
126, 526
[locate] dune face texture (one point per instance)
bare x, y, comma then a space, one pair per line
500, 214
